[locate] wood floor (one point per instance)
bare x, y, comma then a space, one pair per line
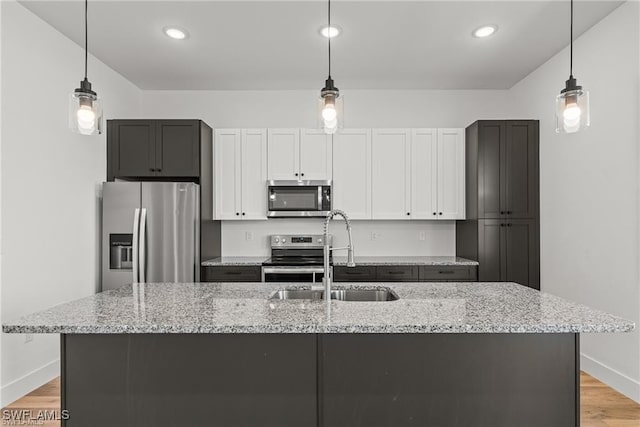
601, 406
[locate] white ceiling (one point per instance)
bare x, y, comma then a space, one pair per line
275, 45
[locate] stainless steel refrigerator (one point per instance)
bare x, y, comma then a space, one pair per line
150, 233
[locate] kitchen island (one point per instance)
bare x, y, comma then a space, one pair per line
444, 354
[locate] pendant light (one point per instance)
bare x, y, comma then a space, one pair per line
329, 93
572, 105
85, 112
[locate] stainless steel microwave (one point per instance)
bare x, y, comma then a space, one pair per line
298, 199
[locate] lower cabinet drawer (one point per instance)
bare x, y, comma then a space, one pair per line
443, 273
251, 273
397, 273
354, 274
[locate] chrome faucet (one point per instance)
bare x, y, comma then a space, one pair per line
327, 279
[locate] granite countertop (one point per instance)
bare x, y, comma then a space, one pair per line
235, 260
245, 308
406, 260
360, 260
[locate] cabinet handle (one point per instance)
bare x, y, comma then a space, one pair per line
353, 273
237, 213
296, 174
243, 214
408, 213
152, 169
501, 225
302, 174
502, 212
445, 272
509, 212
395, 272
440, 213
434, 213
509, 225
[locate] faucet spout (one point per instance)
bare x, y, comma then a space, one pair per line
327, 249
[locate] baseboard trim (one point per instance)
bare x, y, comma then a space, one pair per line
29, 382
614, 379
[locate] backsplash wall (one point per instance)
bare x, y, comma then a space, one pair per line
251, 238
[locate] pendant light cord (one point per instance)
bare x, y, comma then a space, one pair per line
86, 38
329, 34
571, 45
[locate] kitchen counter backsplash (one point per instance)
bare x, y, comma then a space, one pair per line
364, 260
235, 260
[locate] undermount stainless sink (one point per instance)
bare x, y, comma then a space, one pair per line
378, 295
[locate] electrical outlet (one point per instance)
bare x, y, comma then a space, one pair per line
28, 338
248, 235
422, 236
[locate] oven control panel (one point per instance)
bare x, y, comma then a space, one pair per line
298, 241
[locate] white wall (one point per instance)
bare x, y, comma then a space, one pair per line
50, 182
299, 108
589, 188
362, 109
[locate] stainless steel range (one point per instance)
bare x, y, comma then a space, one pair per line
295, 258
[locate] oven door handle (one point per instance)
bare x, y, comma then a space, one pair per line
292, 270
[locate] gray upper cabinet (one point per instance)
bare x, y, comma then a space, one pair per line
153, 148
506, 178
177, 148
521, 170
131, 148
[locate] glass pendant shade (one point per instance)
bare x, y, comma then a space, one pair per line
572, 108
85, 111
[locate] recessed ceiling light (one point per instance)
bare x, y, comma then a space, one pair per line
175, 33
485, 31
330, 32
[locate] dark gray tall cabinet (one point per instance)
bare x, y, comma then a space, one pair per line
502, 229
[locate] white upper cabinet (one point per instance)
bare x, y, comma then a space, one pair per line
315, 155
424, 173
284, 153
352, 172
391, 174
254, 174
451, 174
227, 171
240, 174
300, 154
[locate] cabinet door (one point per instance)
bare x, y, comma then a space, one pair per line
522, 173
352, 172
178, 148
132, 146
391, 175
315, 154
491, 171
254, 174
521, 254
490, 250
451, 174
228, 173
424, 174
283, 153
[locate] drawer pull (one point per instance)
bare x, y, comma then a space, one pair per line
396, 272
354, 273
446, 272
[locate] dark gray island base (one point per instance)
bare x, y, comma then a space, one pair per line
220, 354
297, 380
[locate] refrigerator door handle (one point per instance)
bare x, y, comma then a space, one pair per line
136, 232
143, 245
